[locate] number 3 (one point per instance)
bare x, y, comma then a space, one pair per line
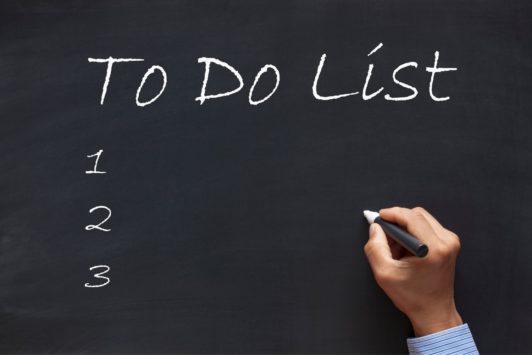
99, 276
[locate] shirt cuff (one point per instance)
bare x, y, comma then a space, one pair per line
456, 340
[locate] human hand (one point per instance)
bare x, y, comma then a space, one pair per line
422, 288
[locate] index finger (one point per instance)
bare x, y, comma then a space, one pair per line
414, 221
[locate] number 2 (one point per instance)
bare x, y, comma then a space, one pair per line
98, 226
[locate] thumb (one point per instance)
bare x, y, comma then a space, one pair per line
377, 248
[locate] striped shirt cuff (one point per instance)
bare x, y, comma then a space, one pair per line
457, 340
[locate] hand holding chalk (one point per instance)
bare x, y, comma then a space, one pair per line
420, 287
405, 239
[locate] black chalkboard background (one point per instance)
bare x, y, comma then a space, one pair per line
238, 228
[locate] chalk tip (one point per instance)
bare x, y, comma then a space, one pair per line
370, 215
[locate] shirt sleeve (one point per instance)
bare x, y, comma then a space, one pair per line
457, 340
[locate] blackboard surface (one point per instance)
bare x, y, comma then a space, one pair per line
237, 228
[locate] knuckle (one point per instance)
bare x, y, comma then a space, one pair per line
443, 253
447, 252
369, 248
454, 241
455, 237
456, 245
417, 212
438, 254
383, 276
419, 209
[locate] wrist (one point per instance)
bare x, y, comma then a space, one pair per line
435, 322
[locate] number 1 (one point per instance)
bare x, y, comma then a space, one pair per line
95, 169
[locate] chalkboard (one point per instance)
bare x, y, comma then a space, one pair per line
182, 211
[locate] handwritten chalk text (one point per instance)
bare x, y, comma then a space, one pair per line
271, 71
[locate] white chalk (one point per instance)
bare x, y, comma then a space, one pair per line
263, 70
146, 75
208, 62
110, 61
409, 87
433, 72
99, 276
315, 85
370, 216
95, 170
375, 49
99, 225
